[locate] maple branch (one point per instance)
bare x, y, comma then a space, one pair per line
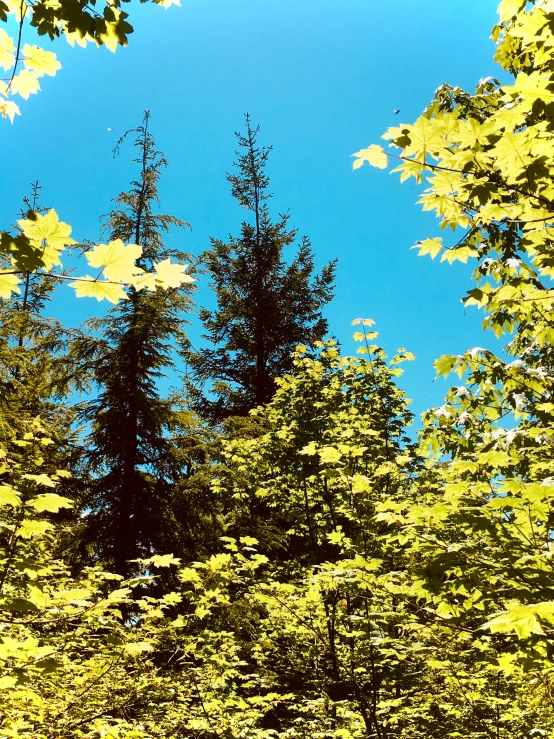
502, 183
23, 13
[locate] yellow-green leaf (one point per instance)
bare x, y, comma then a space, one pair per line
9, 109
429, 246
28, 529
138, 648
161, 560
40, 61
519, 619
50, 502
329, 455
363, 322
47, 228
509, 8
74, 595
7, 48
167, 275
9, 496
8, 284
100, 289
25, 83
41, 480
444, 364
117, 261
374, 155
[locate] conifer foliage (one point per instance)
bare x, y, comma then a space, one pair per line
35, 375
265, 306
129, 450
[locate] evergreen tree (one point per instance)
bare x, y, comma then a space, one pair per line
35, 374
129, 450
265, 306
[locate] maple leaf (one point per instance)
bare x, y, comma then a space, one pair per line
50, 257
161, 560
25, 83
47, 228
444, 364
518, 618
9, 496
40, 61
472, 132
50, 502
9, 109
88, 287
7, 57
171, 275
374, 155
116, 260
329, 455
76, 37
426, 136
460, 254
138, 648
116, 30
508, 8
25, 256
110, 39
8, 284
40, 480
508, 118
166, 275
17, 8
432, 246
512, 152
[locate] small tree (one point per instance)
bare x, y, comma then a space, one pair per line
129, 448
265, 307
35, 374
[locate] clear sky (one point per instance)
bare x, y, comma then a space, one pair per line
322, 78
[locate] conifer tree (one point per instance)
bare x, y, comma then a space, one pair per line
265, 305
35, 376
129, 446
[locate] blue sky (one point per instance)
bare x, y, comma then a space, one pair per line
322, 78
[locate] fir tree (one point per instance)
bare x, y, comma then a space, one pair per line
129, 446
265, 305
35, 374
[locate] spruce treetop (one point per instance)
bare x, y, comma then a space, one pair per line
266, 304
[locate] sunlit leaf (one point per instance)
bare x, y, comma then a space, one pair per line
116, 261
374, 155
8, 284
50, 502
9, 496
25, 83
7, 49
47, 228
99, 289
9, 109
39, 61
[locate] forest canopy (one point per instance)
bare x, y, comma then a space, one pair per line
269, 548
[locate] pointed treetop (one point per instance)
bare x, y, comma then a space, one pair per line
249, 184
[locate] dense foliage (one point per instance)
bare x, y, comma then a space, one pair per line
295, 564
77, 21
